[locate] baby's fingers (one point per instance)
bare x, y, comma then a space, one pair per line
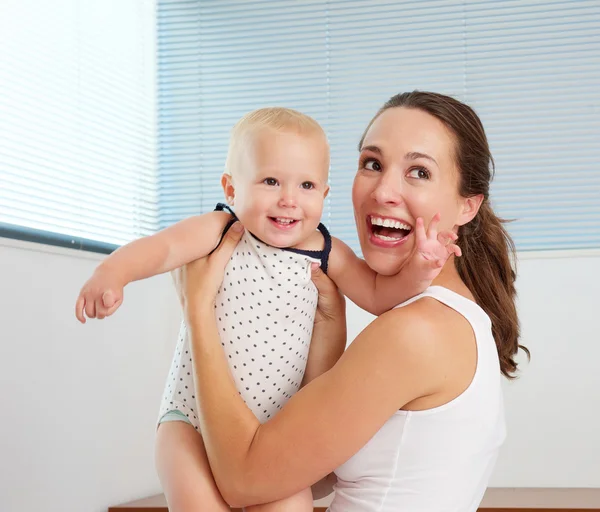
432, 228
445, 238
114, 307
420, 234
454, 249
108, 299
108, 304
100, 309
79, 305
90, 309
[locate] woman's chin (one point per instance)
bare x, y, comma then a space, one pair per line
384, 264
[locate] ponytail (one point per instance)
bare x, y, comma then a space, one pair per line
488, 268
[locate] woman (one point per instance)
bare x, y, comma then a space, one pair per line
411, 416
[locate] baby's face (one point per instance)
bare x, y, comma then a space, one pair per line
279, 187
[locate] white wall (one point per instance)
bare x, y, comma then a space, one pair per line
79, 403
553, 408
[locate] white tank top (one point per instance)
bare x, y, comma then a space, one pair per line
438, 459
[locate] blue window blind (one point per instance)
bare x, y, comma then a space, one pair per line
78, 121
531, 69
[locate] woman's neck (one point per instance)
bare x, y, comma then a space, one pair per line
449, 278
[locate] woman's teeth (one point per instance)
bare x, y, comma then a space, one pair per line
389, 223
389, 230
388, 238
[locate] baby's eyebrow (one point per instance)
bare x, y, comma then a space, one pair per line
374, 149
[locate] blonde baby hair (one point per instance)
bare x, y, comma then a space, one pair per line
270, 118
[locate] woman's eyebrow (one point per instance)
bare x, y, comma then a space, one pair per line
414, 155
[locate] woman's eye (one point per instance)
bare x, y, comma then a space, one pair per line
308, 185
419, 173
270, 181
372, 165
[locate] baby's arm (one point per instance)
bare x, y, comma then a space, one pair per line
164, 251
376, 293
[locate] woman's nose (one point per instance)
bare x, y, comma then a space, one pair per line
387, 191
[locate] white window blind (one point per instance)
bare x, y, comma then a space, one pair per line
531, 69
78, 120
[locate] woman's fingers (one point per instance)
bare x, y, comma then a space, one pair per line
331, 301
199, 281
224, 251
322, 282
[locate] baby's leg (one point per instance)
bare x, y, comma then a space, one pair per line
300, 502
184, 471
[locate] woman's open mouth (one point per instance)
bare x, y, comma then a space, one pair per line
386, 231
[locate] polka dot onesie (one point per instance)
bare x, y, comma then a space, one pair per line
265, 312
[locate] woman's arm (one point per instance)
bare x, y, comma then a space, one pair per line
329, 331
324, 423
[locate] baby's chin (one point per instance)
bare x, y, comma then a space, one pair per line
282, 241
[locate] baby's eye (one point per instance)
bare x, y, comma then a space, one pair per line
372, 165
419, 173
308, 185
272, 182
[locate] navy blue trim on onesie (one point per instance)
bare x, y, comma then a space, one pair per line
322, 255
224, 208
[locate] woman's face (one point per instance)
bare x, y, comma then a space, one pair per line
406, 170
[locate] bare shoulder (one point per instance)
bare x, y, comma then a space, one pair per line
439, 343
427, 339
427, 325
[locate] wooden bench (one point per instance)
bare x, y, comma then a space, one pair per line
495, 500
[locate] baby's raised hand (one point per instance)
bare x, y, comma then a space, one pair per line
100, 296
433, 248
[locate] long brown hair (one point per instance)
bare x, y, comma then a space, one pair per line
488, 261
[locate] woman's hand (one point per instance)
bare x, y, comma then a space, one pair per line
198, 282
332, 303
329, 332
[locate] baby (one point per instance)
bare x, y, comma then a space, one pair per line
276, 179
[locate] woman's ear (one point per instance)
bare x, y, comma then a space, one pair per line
228, 188
470, 207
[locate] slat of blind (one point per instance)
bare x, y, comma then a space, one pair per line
535, 71
77, 120
531, 69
